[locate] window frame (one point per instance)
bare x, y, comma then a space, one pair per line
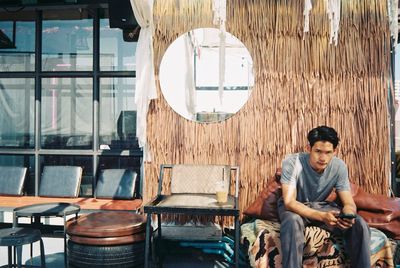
95, 74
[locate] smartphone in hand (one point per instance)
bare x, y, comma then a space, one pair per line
347, 216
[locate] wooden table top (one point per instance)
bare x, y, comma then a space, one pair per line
8, 203
107, 224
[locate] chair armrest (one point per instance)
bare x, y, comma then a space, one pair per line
154, 201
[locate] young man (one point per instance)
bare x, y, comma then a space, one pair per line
307, 180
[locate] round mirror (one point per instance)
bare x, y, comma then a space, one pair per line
206, 75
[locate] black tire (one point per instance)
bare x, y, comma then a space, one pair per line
121, 256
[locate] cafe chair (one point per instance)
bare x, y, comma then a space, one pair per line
116, 184
191, 191
60, 181
12, 180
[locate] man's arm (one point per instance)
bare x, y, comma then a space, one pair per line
289, 198
348, 203
349, 207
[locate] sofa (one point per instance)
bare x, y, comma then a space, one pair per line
260, 231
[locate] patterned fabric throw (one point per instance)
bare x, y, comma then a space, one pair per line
322, 248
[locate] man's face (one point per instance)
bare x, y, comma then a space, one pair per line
320, 155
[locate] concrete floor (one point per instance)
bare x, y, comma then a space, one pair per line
55, 258
54, 248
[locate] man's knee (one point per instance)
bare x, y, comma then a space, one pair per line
360, 224
360, 228
292, 221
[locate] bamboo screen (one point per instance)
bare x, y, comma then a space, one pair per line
301, 81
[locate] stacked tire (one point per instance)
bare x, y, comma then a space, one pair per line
106, 240
131, 255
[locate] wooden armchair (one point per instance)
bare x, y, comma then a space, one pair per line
193, 192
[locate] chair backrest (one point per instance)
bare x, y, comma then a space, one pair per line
116, 184
12, 180
60, 181
192, 178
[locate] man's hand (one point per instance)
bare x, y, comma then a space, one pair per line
330, 218
346, 223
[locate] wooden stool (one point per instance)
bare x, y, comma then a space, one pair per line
114, 238
17, 237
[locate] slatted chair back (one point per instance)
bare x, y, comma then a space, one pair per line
60, 181
12, 180
198, 178
116, 184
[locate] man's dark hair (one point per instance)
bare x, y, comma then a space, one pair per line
323, 133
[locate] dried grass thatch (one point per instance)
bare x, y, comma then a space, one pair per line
301, 81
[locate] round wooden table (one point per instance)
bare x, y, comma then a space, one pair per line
113, 238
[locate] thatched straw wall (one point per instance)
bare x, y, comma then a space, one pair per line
301, 81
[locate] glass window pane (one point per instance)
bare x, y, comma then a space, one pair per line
67, 40
71, 160
117, 114
17, 100
27, 161
67, 113
115, 53
17, 55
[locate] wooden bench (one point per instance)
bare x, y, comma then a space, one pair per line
115, 190
87, 204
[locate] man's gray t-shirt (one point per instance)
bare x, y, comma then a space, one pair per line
310, 185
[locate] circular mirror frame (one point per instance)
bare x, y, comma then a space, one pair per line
189, 75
